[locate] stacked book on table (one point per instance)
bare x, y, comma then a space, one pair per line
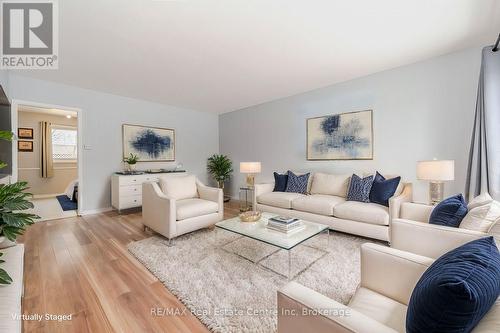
284, 224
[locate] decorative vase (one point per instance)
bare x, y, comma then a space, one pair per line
131, 167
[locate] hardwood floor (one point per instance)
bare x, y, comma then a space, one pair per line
80, 266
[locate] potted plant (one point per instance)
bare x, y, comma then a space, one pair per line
13, 221
220, 168
131, 161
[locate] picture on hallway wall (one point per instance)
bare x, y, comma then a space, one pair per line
345, 136
150, 144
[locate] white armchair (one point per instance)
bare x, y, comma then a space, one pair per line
412, 232
388, 277
171, 213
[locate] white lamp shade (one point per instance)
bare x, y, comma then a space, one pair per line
250, 167
436, 170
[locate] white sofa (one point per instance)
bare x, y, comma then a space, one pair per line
11, 294
327, 204
412, 232
388, 277
178, 205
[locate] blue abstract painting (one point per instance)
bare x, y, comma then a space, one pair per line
345, 136
149, 143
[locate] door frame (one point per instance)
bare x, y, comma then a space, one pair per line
15, 124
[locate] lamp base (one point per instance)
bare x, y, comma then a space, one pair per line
436, 190
250, 180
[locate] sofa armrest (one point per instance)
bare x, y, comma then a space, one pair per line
261, 189
212, 194
158, 211
390, 272
415, 212
428, 239
301, 309
395, 202
209, 193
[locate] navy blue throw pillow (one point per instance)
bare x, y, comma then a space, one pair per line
297, 184
382, 189
457, 290
449, 212
280, 182
359, 188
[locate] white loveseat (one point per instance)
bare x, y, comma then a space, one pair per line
178, 205
388, 277
327, 204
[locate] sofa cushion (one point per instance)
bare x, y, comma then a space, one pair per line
362, 212
482, 218
279, 199
188, 208
179, 187
381, 308
400, 187
297, 184
330, 184
457, 290
482, 199
317, 204
280, 182
449, 212
383, 189
359, 188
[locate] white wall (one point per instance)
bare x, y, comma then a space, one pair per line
103, 116
420, 111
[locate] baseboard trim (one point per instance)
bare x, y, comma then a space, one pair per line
95, 211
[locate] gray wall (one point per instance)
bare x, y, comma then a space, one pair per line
103, 116
420, 111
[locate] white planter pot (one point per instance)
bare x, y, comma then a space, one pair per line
131, 167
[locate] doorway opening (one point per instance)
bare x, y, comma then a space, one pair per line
47, 158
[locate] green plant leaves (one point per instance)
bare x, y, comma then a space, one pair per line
13, 222
6, 135
4, 276
13, 200
220, 167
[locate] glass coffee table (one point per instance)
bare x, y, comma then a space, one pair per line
259, 231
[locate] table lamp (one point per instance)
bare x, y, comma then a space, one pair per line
437, 172
250, 169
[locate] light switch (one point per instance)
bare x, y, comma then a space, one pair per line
87, 147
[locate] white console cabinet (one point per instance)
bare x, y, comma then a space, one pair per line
126, 190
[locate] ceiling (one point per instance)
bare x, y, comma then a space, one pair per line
53, 112
223, 55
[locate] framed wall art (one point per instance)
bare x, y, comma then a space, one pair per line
25, 133
150, 144
25, 146
345, 136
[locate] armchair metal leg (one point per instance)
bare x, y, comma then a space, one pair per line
170, 242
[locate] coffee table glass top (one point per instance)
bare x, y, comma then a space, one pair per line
259, 231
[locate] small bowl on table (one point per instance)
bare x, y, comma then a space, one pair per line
250, 216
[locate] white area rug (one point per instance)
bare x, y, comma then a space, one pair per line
224, 289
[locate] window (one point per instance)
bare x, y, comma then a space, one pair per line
64, 144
